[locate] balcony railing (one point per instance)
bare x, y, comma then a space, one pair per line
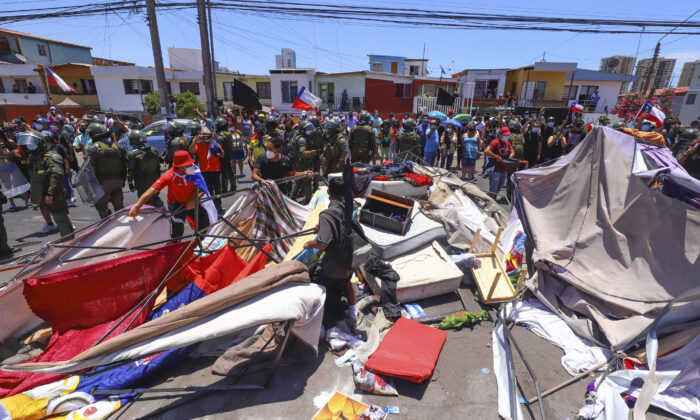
429, 104
22, 99
352, 103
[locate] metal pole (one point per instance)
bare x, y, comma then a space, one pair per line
157, 57
213, 61
206, 54
650, 69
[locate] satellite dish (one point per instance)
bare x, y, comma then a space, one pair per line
613, 62
21, 58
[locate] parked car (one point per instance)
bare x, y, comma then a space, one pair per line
155, 135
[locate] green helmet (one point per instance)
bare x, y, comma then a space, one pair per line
515, 125
174, 129
220, 123
97, 131
137, 138
304, 126
364, 118
619, 125
332, 127
270, 122
409, 125
194, 127
32, 140
690, 134
315, 121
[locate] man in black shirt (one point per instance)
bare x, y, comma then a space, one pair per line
274, 165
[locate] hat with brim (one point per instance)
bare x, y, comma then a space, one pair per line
181, 159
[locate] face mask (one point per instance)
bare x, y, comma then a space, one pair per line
270, 154
189, 170
308, 132
526, 116
505, 138
645, 127
536, 130
550, 124
449, 129
32, 147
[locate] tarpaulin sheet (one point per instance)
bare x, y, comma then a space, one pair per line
409, 351
84, 303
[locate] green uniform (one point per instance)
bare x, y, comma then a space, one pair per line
334, 154
46, 173
362, 144
304, 157
109, 162
175, 145
225, 140
408, 142
518, 143
143, 167
316, 143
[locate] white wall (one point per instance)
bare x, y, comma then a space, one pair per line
10, 72
185, 59
22, 98
474, 75
353, 83
608, 91
302, 79
422, 67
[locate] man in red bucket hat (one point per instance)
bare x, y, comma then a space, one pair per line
499, 149
181, 181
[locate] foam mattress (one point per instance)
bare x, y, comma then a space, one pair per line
400, 188
421, 231
426, 272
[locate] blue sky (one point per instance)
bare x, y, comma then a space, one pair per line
248, 42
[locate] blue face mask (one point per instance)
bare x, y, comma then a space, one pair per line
645, 127
32, 147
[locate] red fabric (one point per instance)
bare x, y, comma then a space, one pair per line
82, 304
420, 180
207, 164
223, 268
380, 178
179, 189
409, 351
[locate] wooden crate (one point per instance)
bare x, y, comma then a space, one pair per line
380, 200
491, 279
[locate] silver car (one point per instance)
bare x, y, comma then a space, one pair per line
155, 134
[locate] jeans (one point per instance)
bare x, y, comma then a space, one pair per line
496, 181
430, 158
446, 161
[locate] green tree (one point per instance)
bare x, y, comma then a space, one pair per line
185, 102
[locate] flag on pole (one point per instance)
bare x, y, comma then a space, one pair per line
577, 108
653, 114
53, 80
306, 100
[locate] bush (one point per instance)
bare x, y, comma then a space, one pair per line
186, 102
630, 104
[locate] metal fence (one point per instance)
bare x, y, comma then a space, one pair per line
425, 105
352, 103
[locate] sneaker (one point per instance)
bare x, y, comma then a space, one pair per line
48, 228
13, 207
4, 252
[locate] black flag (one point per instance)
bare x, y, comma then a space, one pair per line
244, 96
444, 98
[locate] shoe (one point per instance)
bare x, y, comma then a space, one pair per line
48, 228
4, 252
12, 207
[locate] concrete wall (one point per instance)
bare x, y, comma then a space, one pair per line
386, 61
354, 83
380, 93
691, 112
555, 82
56, 53
486, 75
608, 91
302, 79
10, 72
422, 67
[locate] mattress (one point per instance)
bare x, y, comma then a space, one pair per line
400, 188
416, 281
421, 231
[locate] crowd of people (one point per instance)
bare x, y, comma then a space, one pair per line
293, 151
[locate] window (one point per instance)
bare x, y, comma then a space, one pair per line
20, 86
2, 87
377, 67
5, 46
189, 87
327, 90
289, 63
540, 87
88, 86
264, 90
228, 91
569, 93
137, 86
427, 90
41, 48
289, 92
691, 99
414, 70
403, 90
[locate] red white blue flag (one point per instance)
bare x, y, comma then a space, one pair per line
577, 108
306, 100
653, 114
53, 80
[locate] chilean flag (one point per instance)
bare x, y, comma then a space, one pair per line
306, 100
53, 80
577, 108
653, 114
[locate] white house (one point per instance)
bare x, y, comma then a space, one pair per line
482, 83
586, 82
285, 84
20, 77
122, 88
690, 108
330, 88
415, 67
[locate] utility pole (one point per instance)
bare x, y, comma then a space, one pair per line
157, 58
213, 61
206, 54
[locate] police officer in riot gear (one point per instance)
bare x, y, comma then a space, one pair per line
46, 173
225, 140
108, 159
408, 141
316, 140
143, 166
175, 140
362, 140
271, 127
303, 160
194, 128
336, 146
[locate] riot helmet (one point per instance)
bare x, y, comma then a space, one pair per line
97, 131
137, 138
32, 140
270, 123
174, 129
364, 118
409, 125
220, 123
690, 134
259, 128
332, 127
194, 127
306, 128
515, 125
315, 121
618, 125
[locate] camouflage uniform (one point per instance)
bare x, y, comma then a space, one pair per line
304, 157
408, 142
362, 144
143, 167
334, 154
175, 145
109, 162
46, 173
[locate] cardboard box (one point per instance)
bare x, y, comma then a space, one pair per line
379, 205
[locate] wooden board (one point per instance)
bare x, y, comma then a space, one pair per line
484, 278
311, 223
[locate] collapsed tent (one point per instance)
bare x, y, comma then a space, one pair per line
610, 238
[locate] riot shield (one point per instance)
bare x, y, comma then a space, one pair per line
13, 181
86, 184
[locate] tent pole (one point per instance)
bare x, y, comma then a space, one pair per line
244, 236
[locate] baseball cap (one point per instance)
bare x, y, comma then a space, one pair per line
504, 131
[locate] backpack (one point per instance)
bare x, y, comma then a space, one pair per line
352, 249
